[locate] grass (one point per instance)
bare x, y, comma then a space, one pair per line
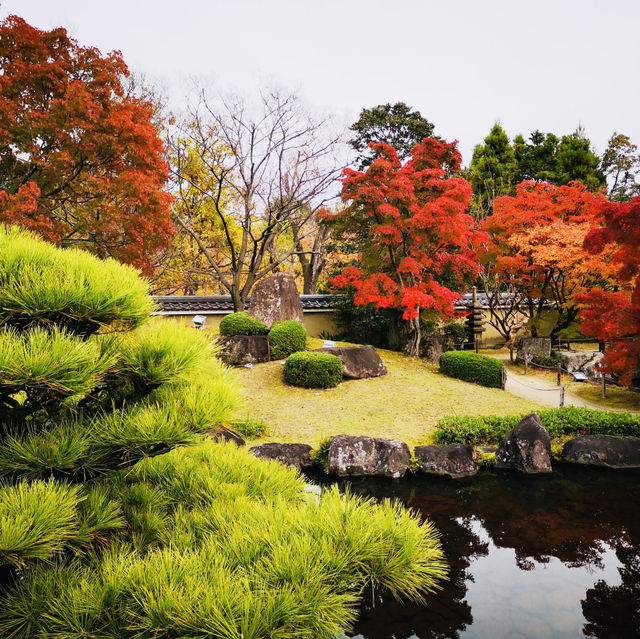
404, 404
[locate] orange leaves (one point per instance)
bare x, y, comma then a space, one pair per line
416, 217
89, 154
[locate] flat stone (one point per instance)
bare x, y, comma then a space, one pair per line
449, 461
584, 361
526, 448
358, 362
357, 456
296, 455
603, 450
238, 350
276, 298
534, 347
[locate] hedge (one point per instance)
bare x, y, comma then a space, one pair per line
287, 337
472, 367
242, 324
313, 370
559, 422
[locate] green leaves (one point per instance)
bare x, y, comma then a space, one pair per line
472, 367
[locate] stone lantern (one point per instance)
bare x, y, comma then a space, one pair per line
475, 322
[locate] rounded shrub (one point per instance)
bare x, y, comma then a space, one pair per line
242, 324
287, 337
313, 370
472, 367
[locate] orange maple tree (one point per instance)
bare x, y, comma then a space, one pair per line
614, 316
536, 247
418, 240
80, 162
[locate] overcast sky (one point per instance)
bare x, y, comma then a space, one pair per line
536, 64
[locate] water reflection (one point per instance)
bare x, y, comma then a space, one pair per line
545, 557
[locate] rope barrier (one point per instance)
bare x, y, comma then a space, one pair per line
555, 390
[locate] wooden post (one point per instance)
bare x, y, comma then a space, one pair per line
511, 352
604, 386
561, 395
504, 377
477, 340
526, 364
559, 374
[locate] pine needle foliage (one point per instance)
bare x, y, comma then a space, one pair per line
45, 286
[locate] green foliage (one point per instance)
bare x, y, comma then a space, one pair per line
395, 124
457, 330
226, 545
361, 324
559, 422
287, 337
45, 286
320, 455
493, 171
250, 427
313, 370
545, 360
242, 324
472, 367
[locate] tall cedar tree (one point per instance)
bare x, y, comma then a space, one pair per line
535, 246
80, 162
393, 124
414, 221
615, 316
493, 171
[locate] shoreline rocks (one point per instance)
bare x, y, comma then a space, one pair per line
295, 455
526, 448
447, 461
608, 451
361, 456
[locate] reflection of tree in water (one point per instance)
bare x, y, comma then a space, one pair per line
447, 612
569, 515
613, 612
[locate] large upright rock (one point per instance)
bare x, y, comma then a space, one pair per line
526, 448
238, 350
276, 298
586, 362
534, 347
603, 450
358, 362
351, 456
449, 461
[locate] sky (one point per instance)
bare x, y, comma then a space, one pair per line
464, 64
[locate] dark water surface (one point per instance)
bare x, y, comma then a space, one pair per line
542, 557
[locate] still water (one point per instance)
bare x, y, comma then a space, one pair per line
542, 557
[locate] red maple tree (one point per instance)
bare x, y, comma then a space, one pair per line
614, 316
80, 162
418, 239
536, 250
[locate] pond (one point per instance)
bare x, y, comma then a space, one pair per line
541, 557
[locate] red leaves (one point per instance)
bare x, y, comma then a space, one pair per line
420, 227
88, 154
615, 316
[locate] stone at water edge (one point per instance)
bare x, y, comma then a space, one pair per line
296, 455
276, 298
603, 450
526, 448
358, 456
453, 461
358, 362
238, 350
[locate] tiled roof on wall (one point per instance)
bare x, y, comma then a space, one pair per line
222, 303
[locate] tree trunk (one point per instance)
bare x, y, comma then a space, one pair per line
413, 347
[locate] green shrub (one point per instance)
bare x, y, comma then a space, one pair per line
313, 370
43, 285
287, 337
545, 360
559, 422
320, 455
457, 330
250, 427
226, 545
472, 367
242, 324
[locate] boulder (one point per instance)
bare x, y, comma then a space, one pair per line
276, 298
526, 448
449, 461
297, 455
238, 350
583, 361
352, 456
358, 362
603, 450
534, 347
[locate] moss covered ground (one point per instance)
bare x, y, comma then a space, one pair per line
404, 404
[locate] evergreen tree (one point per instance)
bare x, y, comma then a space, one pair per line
493, 171
396, 125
